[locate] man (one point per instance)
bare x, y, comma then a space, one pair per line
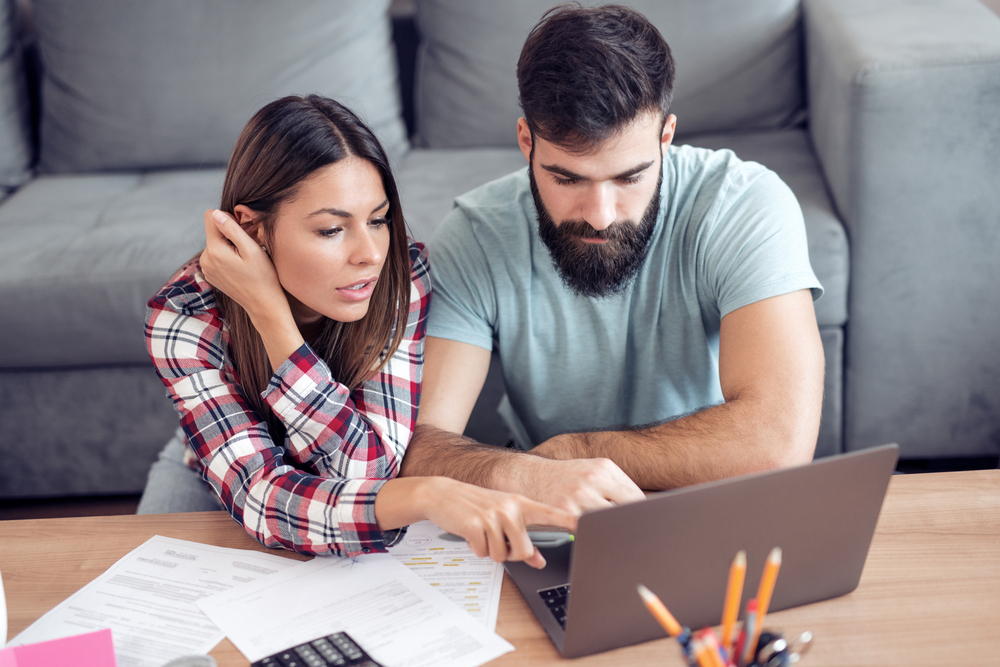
651, 305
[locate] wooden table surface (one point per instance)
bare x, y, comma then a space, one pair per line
929, 593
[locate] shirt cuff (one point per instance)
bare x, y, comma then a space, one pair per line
355, 513
296, 378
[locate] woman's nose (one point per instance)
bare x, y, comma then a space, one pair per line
366, 249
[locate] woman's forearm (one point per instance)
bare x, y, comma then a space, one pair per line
280, 335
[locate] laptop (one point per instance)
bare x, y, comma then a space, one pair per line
680, 544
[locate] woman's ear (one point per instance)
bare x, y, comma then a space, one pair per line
249, 220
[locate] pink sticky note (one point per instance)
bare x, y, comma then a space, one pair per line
94, 649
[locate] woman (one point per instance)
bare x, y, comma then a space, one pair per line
292, 345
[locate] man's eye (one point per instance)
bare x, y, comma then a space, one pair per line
629, 180
566, 181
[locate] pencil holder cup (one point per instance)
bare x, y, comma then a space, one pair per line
773, 650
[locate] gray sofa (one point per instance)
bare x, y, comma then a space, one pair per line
117, 117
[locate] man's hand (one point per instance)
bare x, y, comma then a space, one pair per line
575, 485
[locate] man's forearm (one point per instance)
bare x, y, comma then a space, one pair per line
435, 452
574, 486
722, 441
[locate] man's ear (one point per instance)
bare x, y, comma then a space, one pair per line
249, 220
669, 127
524, 138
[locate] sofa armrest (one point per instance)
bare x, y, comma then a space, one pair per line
904, 102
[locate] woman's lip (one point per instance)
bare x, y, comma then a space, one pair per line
360, 282
360, 294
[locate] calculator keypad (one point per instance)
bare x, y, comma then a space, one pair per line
336, 650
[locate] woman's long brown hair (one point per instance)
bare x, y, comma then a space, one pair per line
283, 144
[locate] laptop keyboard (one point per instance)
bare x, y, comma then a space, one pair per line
556, 598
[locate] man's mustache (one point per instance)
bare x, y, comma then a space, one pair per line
616, 231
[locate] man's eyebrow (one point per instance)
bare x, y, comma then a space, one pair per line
556, 169
344, 214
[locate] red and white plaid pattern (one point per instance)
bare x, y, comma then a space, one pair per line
315, 492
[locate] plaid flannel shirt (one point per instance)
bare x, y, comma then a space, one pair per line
315, 492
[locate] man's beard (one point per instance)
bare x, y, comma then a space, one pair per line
597, 269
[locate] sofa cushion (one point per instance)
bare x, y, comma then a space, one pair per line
789, 154
739, 65
429, 181
15, 131
82, 255
163, 84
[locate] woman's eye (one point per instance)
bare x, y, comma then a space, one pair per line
333, 231
379, 222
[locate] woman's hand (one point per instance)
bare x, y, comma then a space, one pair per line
233, 263
494, 523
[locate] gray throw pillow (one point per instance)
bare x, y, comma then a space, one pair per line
739, 65
139, 84
15, 131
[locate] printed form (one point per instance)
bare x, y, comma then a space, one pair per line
398, 618
148, 600
447, 563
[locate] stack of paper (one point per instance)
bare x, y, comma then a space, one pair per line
430, 602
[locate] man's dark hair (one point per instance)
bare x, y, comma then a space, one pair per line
586, 73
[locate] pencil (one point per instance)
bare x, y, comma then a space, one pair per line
765, 590
701, 653
734, 594
714, 652
659, 611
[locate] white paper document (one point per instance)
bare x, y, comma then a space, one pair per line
148, 600
448, 564
399, 619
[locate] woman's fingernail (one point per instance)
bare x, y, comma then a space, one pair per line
219, 217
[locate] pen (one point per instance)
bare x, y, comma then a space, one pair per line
752, 632
765, 590
659, 611
543, 538
734, 593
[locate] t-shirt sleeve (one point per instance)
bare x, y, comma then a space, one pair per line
754, 245
464, 295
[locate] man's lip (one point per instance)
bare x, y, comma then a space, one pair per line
593, 240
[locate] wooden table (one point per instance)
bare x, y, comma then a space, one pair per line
929, 594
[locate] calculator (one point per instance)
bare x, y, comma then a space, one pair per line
337, 649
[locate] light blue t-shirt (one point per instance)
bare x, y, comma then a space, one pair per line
729, 233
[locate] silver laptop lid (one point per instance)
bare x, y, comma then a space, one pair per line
680, 544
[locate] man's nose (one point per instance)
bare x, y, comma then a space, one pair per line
599, 209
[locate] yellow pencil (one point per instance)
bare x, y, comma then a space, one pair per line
659, 611
765, 590
734, 595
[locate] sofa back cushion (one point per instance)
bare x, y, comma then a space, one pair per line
739, 65
149, 84
15, 129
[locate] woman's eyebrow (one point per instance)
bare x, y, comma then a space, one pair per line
344, 214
